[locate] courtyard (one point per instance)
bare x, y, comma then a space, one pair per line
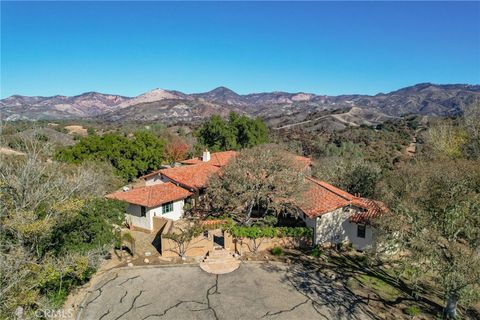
254, 291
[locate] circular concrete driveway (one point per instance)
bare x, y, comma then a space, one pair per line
254, 291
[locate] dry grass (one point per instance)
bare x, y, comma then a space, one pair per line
75, 129
11, 152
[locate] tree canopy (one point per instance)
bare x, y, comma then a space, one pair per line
356, 176
436, 220
236, 132
175, 150
131, 157
265, 178
55, 227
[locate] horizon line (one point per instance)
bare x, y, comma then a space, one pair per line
241, 94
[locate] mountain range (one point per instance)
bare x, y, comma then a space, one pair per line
280, 109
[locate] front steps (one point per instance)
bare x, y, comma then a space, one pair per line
219, 261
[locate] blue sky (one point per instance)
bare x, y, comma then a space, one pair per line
330, 48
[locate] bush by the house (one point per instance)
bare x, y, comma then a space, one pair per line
277, 251
270, 232
413, 311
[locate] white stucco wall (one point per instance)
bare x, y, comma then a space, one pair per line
360, 243
176, 214
156, 179
134, 216
334, 227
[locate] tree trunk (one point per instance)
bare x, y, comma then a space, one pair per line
451, 307
249, 213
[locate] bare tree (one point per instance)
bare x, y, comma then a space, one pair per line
37, 194
446, 140
471, 120
265, 178
183, 237
436, 223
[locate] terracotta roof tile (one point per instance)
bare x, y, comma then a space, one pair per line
218, 159
322, 197
192, 176
337, 191
151, 196
373, 209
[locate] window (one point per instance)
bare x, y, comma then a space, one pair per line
167, 207
361, 228
143, 211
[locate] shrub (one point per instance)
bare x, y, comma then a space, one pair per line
277, 251
413, 311
316, 252
270, 232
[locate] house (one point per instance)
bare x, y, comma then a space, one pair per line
164, 200
335, 215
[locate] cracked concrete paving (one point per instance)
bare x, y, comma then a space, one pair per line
254, 291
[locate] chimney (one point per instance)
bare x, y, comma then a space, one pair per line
206, 156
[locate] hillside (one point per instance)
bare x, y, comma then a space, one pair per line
85, 105
278, 108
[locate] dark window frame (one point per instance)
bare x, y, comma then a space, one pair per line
167, 205
143, 211
361, 231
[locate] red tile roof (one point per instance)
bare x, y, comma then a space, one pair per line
151, 196
333, 189
322, 197
192, 176
151, 174
218, 159
373, 209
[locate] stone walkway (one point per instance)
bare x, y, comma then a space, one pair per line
219, 261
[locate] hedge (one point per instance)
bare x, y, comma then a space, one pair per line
270, 232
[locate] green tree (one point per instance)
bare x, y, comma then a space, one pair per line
356, 176
249, 132
235, 133
131, 157
91, 228
54, 229
217, 135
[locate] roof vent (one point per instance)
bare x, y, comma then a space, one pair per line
206, 156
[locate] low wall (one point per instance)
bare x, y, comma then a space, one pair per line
245, 245
200, 245
159, 223
196, 247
